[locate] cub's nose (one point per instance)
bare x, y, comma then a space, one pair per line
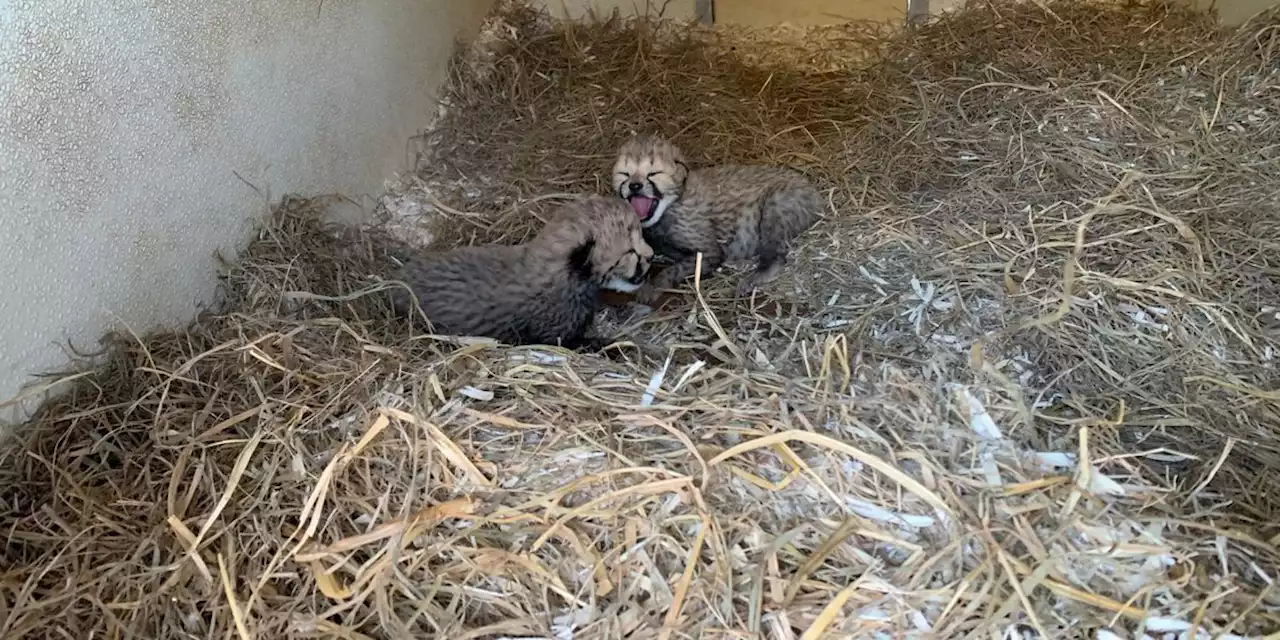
635, 187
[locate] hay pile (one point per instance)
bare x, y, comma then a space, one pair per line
1021, 379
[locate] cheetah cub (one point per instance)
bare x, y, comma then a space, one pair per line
730, 213
546, 291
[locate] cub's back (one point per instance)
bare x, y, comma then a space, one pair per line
734, 196
476, 291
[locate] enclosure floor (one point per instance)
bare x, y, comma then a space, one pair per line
1020, 381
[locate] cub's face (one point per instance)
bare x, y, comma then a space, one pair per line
649, 174
611, 250
627, 264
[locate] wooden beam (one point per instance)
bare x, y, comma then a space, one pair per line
705, 10
917, 11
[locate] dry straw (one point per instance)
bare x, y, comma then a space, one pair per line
1020, 380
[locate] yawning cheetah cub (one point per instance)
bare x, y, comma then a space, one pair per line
546, 291
730, 213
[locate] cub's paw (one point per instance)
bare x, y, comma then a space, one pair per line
648, 294
607, 347
748, 285
757, 280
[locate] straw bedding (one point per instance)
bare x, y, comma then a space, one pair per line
1019, 382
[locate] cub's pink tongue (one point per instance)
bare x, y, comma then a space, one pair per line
642, 205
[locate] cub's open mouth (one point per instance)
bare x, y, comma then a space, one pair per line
643, 205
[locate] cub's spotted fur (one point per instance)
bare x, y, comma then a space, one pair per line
546, 291
729, 213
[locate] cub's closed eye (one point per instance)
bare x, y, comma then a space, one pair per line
654, 173
621, 173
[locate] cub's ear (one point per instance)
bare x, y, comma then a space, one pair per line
580, 259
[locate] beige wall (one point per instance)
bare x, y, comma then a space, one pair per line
1236, 11
123, 126
576, 9
762, 13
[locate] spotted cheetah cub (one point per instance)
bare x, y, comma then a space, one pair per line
730, 213
546, 291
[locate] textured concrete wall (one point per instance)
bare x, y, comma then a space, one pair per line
123, 125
